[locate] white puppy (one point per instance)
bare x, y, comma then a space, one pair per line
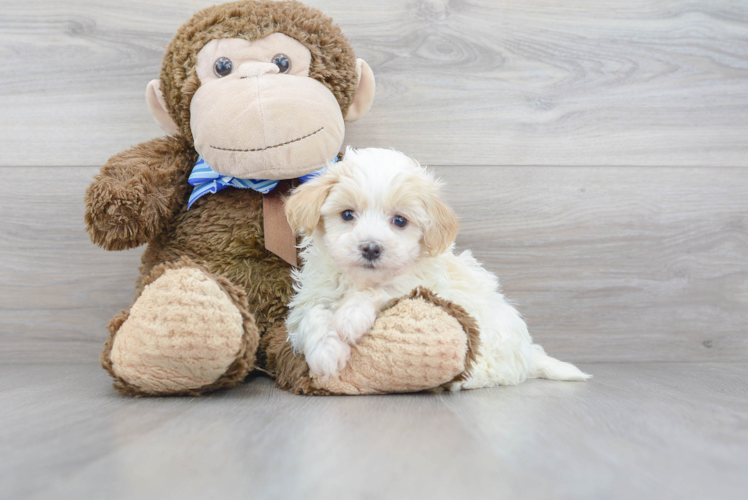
376, 229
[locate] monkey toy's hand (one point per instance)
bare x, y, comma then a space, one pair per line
136, 194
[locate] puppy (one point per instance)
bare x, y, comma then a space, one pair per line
375, 229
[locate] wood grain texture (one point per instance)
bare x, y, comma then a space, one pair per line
645, 431
606, 264
615, 264
481, 82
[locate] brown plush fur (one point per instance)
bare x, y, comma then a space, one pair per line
140, 196
138, 192
333, 60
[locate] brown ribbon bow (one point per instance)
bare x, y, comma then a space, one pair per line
279, 237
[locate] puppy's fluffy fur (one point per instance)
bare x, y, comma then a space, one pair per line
340, 291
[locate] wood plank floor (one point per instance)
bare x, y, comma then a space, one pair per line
636, 430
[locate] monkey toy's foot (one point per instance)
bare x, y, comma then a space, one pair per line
421, 342
188, 332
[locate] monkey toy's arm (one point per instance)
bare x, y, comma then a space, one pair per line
137, 193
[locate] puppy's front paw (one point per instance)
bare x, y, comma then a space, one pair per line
328, 357
352, 322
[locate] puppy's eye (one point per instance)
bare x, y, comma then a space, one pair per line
347, 215
399, 221
222, 67
282, 61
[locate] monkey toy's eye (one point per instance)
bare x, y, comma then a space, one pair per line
347, 215
223, 66
399, 221
282, 61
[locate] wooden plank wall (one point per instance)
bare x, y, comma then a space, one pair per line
596, 152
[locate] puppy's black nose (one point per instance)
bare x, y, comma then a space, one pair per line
370, 251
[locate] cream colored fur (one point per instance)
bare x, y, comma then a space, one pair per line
340, 293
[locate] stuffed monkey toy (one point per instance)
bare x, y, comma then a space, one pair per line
253, 96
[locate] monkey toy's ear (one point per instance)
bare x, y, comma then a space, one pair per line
364, 95
157, 104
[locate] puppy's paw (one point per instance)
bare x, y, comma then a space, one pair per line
328, 357
353, 321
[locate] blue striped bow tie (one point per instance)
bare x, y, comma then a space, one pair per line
206, 180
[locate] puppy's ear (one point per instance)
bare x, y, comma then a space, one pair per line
305, 203
442, 230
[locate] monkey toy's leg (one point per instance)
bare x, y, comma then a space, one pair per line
188, 332
420, 342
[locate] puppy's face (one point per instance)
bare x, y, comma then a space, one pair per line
374, 234
376, 213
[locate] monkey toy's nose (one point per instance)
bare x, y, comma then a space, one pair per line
370, 251
248, 70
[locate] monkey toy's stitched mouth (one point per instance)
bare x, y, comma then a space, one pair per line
271, 147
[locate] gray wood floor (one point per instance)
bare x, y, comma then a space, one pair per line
636, 430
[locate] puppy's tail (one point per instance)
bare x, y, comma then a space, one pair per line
553, 369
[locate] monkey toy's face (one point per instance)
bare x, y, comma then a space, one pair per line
257, 112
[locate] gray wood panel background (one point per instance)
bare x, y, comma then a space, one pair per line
606, 264
479, 82
596, 152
